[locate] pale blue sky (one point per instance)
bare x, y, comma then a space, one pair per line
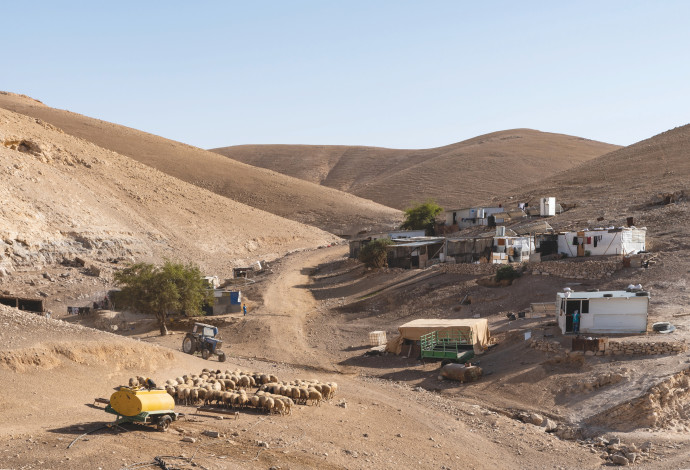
404, 74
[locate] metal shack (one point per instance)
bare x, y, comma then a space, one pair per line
603, 312
357, 244
469, 250
418, 252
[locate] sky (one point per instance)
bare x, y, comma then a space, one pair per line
401, 74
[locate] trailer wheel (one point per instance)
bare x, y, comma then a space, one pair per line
221, 357
205, 353
164, 423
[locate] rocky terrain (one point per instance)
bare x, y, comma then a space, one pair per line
74, 211
272, 192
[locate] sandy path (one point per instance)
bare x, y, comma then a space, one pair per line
276, 330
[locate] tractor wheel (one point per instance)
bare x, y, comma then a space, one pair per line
189, 345
221, 357
164, 423
205, 353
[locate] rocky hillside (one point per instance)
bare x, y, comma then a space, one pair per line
65, 197
288, 197
456, 175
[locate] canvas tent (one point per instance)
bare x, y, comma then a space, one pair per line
414, 330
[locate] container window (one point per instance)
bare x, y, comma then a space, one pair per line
585, 306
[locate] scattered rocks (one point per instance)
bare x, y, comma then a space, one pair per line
189, 439
620, 460
214, 434
549, 425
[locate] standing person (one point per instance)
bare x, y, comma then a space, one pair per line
244, 308
576, 321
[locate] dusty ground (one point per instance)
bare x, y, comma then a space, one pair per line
386, 421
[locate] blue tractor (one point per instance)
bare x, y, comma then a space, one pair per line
203, 339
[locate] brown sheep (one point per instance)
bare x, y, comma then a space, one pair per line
244, 382
315, 396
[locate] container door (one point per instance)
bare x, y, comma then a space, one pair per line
581, 244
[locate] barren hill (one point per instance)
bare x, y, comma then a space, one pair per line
455, 175
272, 192
65, 197
649, 180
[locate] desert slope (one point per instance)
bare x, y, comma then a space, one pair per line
63, 197
454, 175
272, 192
626, 182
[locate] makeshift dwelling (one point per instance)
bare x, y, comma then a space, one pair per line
508, 249
418, 252
603, 312
602, 242
470, 216
546, 244
469, 250
357, 244
28, 305
411, 332
226, 301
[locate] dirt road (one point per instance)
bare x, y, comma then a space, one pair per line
276, 329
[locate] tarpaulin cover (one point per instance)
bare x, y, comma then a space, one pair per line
414, 330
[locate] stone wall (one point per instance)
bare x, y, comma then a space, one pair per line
616, 348
576, 270
482, 269
646, 348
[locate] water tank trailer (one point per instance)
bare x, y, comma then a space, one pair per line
138, 405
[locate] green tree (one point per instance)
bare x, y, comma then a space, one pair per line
163, 290
422, 216
374, 254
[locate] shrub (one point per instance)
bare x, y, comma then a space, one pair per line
506, 272
422, 216
374, 254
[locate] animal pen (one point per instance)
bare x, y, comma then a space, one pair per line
451, 345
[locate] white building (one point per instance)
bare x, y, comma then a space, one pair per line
603, 312
470, 216
600, 242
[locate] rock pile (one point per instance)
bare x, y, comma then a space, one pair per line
545, 345
613, 451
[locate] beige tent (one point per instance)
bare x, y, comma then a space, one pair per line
414, 330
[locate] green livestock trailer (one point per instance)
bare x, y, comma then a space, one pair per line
451, 346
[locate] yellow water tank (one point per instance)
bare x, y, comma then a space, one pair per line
128, 402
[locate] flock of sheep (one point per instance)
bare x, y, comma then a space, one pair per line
229, 389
